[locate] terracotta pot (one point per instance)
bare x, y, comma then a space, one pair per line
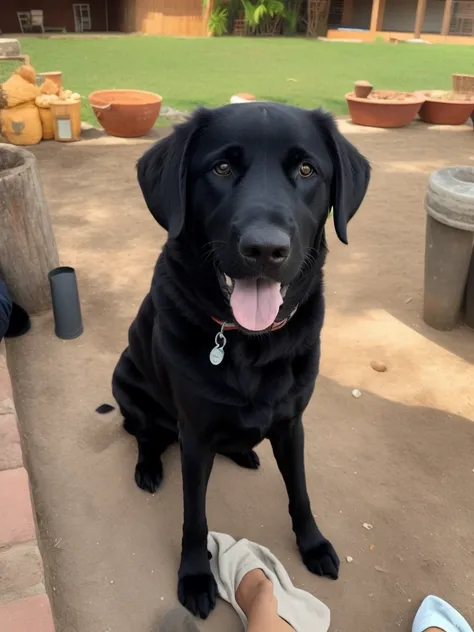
56, 76
243, 97
246, 96
383, 112
445, 111
126, 113
362, 89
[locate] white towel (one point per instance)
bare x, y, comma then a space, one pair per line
232, 560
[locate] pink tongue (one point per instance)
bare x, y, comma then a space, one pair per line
255, 303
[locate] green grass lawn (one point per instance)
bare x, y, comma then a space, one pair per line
191, 72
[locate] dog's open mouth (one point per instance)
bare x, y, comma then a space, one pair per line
255, 302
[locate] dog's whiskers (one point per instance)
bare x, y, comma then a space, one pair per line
210, 255
308, 262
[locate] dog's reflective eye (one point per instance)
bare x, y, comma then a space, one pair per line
306, 170
222, 169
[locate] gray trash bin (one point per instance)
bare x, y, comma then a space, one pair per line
449, 205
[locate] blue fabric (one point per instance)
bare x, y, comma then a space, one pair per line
5, 309
436, 613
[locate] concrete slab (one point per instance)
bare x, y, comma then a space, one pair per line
400, 457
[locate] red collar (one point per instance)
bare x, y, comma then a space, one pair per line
277, 325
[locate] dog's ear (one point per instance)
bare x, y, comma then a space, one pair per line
162, 175
351, 174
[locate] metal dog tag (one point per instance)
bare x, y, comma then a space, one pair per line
217, 353
216, 356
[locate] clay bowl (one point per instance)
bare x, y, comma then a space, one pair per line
384, 112
439, 111
126, 113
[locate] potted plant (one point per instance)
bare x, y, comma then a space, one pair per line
218, 21
384, 108
264, 17
446, 108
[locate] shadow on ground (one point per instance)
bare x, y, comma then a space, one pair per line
385, 260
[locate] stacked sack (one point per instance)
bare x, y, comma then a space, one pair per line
25, 107
19, 116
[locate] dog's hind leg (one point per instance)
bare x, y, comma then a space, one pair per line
149, 467
145, 419
248, 460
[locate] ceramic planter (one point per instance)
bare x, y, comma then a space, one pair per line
126, 113
384, 108
446, 111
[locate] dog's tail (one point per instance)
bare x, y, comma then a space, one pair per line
103, 409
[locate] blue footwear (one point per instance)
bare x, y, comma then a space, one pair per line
436, 613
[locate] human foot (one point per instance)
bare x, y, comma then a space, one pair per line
248, 574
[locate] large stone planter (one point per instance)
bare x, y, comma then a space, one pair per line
449, 205
27, 244
9, 47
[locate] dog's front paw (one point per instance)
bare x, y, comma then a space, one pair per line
198, 593
148, 475
322, 559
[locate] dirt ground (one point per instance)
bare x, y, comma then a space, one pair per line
400, 457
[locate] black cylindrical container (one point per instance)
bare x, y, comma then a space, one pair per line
66, 305
469, 301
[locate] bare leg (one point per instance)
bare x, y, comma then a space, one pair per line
255, 596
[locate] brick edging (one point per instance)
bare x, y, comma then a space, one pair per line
24, 604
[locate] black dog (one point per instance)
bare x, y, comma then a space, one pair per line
224, 351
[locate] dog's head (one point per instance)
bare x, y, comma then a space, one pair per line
253, 185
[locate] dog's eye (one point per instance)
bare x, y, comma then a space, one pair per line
305, 170
222, 169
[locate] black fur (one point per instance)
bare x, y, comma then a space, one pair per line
164, 383
19, 322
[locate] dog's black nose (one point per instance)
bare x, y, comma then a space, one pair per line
265, 246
